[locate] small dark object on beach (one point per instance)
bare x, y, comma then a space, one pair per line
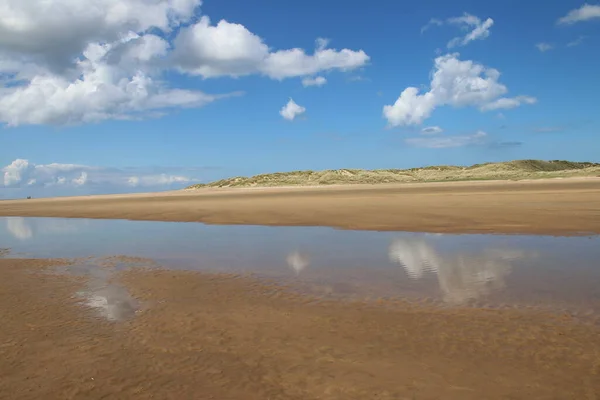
28, 197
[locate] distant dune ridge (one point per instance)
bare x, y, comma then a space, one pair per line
510, 170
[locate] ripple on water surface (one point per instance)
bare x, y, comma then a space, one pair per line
559, 273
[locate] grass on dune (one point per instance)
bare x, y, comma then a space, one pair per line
510, 170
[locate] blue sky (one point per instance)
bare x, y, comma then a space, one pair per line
157, 94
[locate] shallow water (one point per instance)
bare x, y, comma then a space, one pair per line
556, 273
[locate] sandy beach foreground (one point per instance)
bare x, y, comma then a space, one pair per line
560, 206
203, 336
209, 336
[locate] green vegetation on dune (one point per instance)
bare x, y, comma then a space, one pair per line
519, 169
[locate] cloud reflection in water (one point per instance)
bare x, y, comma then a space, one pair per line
461, 276
298, 261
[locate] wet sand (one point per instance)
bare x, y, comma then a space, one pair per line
225, 337
559, 206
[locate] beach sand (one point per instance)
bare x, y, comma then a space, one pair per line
559, 206
201, 336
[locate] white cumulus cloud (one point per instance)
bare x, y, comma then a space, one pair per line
411, 108
102, 92
65, 62
56, 31
584, 13
17, 172
69, 62
291, 110
81, 180
456, 83
230, 49
22, 174
218, 50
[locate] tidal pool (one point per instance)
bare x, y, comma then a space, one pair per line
557, 273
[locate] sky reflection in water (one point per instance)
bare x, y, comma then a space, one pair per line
454, 269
